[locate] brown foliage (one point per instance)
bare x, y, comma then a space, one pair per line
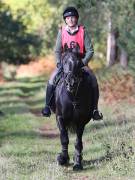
119, 88
36, 68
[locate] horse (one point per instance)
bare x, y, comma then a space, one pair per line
73, 106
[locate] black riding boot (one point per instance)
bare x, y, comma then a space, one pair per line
49, 95
96, 114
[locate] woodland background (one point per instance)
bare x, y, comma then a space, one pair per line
29, 143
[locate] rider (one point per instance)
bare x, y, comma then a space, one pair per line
70, 36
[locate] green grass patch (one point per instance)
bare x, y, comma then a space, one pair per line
29, 143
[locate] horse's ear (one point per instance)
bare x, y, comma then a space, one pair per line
76, 49
66, 48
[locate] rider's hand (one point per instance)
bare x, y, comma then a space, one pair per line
58, 65
81, 64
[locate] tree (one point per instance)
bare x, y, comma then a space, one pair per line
40, 17
16, 45
112, 47
122, 15
96, 15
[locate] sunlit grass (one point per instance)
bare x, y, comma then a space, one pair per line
29, 143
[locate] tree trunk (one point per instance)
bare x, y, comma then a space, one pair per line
111, 45
123, 58
111, 49
1, 74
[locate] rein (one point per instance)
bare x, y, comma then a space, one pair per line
74, 102
71, 78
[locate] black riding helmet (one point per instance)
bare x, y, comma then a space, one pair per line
70, 11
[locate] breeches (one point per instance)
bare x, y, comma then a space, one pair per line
53, 76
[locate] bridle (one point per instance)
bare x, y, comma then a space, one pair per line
72, 80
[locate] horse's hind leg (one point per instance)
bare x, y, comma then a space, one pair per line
63, 157
78, 149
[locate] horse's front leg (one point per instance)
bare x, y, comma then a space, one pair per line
78, 149
63, 157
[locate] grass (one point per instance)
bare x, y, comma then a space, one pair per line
29, 143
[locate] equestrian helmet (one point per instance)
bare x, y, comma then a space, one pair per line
70, 11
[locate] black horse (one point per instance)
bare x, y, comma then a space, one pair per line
73, 100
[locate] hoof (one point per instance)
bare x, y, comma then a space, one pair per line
77, 167
62, 159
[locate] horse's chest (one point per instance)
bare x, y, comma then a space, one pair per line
74, 109
73, 106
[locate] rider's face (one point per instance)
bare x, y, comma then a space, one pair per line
71, 21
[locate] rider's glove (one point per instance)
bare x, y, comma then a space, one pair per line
81, 64
58, 65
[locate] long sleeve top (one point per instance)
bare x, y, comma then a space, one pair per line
89, 51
